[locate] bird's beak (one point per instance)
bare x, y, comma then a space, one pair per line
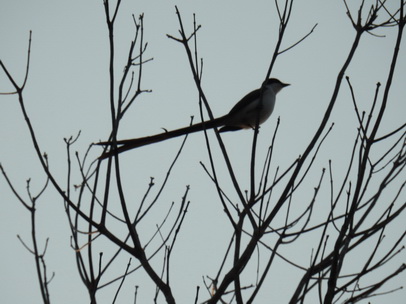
285, 84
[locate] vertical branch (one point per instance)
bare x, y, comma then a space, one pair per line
110, 27
138, 250
401, 25
39, 259
284, 20
184, 41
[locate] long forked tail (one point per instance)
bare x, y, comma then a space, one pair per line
128, 144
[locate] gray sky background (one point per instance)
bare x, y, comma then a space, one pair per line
67, 91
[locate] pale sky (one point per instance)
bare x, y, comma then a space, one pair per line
67, 91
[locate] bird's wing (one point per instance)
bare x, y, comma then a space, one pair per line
245, 101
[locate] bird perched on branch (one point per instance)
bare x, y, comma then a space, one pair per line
253, 108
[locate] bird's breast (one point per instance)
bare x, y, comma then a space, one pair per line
268, 104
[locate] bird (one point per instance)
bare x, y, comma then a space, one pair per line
253, 108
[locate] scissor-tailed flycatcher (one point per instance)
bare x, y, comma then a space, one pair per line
243, 115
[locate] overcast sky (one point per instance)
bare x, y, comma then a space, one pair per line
67, 91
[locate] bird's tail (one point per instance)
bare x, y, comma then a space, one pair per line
128, 144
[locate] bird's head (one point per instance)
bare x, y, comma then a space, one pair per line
275, 84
